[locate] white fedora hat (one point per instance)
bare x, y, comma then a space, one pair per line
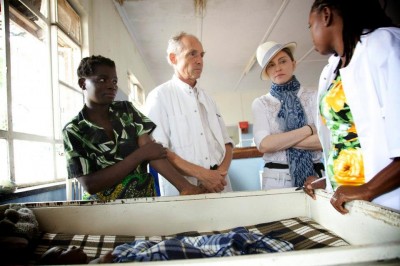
267, 51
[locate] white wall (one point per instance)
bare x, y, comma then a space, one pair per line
104, 33
107, 36
236, 106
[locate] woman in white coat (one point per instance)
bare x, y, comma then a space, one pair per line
359, 101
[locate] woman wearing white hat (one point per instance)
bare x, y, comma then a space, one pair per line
284, 121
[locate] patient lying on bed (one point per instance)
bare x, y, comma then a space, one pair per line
239, 241
60, 256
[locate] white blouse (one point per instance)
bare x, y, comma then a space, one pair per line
265, 112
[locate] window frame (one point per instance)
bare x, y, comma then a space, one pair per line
136, 93
9, 134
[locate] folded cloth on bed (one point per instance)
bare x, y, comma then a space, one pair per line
239, 241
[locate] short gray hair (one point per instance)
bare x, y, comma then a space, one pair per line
175, 44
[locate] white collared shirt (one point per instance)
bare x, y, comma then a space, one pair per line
214, 148
177, 110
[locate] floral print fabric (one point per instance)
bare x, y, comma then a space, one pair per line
345, 164
89, 149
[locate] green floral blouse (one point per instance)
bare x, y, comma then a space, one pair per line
345, 162
89, 149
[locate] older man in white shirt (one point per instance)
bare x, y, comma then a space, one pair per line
188, 121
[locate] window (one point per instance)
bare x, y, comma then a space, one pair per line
41, 47
3, 85
136, 92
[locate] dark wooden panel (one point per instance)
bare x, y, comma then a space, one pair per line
246, 152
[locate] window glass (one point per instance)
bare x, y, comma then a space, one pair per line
69, 56
71, 102
41, 94
61, 163
136, 93
34, 162
69, 20
3, 85
4, 164
71, 96
37, 5
30, 73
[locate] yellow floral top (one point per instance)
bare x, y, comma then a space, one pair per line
345, 164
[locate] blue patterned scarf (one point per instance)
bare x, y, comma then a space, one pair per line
291, 116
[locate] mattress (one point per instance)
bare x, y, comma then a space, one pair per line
302, 232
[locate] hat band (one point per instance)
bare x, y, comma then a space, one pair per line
270, 52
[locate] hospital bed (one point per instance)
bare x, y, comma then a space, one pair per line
368, 234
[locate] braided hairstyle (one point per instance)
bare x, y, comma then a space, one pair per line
357, 16
88, 65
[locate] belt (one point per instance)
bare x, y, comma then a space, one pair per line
318, 167
214, 167
276, 166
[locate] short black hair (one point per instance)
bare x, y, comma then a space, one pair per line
88, 65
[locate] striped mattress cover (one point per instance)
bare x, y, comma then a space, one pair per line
302, 232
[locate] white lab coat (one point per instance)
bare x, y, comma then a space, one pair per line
371, 83
173, 107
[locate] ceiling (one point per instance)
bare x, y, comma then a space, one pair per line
230, 31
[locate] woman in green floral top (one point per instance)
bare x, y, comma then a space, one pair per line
107, 144
359, 102
345, 162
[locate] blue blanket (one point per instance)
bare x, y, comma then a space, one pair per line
239, 241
